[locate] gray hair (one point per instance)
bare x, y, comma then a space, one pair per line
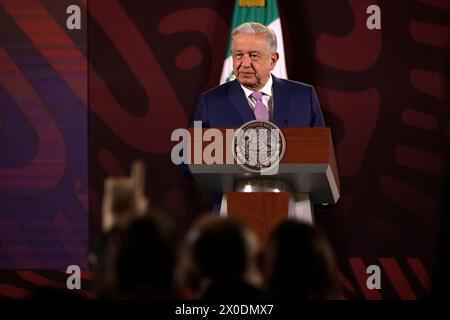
257, 28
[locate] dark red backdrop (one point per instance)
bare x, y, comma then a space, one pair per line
382, 93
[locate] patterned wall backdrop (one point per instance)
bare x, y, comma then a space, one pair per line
382, 93
43, 143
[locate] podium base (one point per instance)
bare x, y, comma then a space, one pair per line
300, 208
264, 211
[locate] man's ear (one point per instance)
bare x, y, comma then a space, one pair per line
274, 59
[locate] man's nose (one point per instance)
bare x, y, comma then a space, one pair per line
246, 61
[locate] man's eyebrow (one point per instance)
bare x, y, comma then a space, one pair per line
252, 51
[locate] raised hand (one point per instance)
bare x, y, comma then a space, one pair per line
124, 198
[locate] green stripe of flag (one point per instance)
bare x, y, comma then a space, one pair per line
264, 15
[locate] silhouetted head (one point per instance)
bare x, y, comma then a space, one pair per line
221, 248
138, 261
219, 258
299, 263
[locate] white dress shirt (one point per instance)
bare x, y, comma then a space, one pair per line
266, 97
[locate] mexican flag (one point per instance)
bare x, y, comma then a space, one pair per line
266, 13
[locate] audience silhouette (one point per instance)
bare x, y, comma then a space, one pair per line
220, 260
299, 263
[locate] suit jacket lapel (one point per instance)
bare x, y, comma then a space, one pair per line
280, 111
239, 102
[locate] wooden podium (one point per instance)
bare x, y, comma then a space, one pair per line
307, 174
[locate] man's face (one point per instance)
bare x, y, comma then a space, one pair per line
252, 60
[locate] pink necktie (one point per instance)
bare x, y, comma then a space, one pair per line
261, 112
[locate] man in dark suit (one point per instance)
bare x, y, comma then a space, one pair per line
256, 93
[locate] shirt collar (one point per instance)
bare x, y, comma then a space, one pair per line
267, 89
